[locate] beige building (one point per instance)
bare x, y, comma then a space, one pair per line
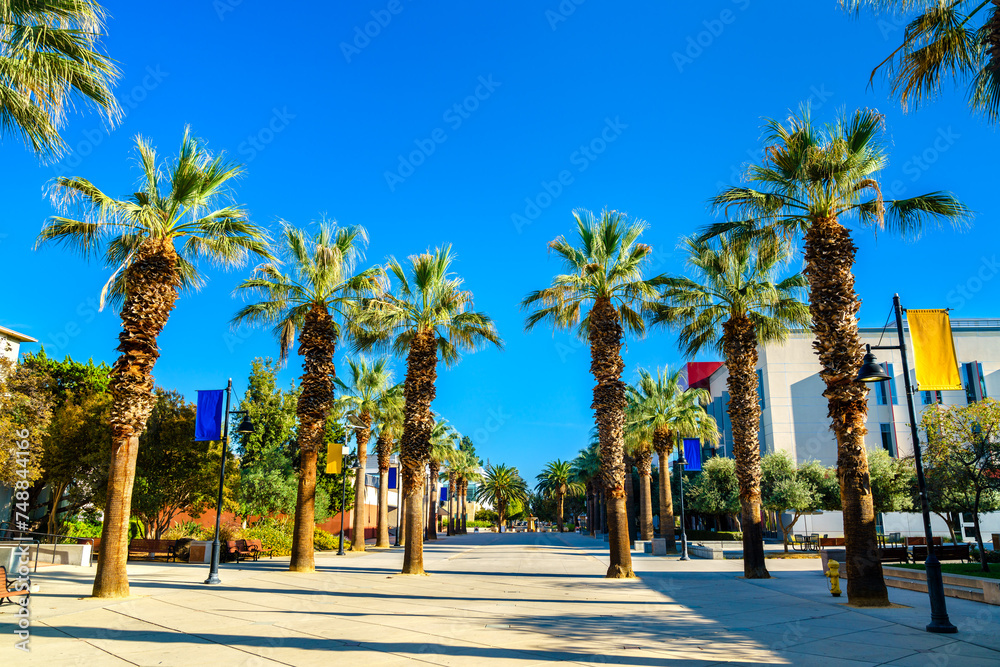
10, 343
794, 410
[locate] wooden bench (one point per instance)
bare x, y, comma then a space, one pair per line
152, 548
244, 551
944, 552
893, 555
921, 541
831, 542
258, 548
95, 547
9, 594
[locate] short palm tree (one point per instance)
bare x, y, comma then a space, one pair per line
49, 57
810, 181
605, 267
959, 38
586, 470
153, 239
388, 420
639, 449
467, 469
660, 403
361, 399
503, 485
457, 462
733, 304
427, 314
556, 481
320, 287
444, 444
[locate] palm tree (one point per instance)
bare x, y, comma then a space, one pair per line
586, 470
943, 40
555, 481
362, 399
388, 417
429, 313
50, 57
503, 485
605, 275
734, 304
808, 182
466, 469
320, 287
661, 404
444, 444
639, 449
455, 462
183, 200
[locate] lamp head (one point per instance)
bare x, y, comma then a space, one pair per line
246, 426
346, 450
871, 370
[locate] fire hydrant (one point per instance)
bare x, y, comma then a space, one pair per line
834, 574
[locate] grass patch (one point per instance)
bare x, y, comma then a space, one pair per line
968, 569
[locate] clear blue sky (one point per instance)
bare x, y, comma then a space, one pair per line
677, 90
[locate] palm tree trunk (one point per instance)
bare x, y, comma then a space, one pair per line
465, 506
304, 527
432, 506
606, 365
151, 284
739, 345
401, 508
663, 444
451, 502
829, 254
419, 389
630, 502
645, 466
384, 448
559, 510
360, 490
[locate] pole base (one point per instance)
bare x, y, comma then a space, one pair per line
213, 579
945, 628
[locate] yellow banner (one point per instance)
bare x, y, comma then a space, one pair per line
334, 458
933, 350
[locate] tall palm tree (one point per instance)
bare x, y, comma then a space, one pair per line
586, 470
456, 461
428, 313
49, 58
320, 288
733, 304
503, 485
389, 422
809, 182
661, 404
180, 201
466, 468
604, 276
362, 399
556, 481
444, 444
959, 38
639, 449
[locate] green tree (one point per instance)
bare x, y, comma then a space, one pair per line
179, 202
716, 490
958, 39
25, 415
321, 279
428, 313
586, 470
809, 183
786, 487
51, 59
444, 442
505, 489
389, 423
557, 481
604, 264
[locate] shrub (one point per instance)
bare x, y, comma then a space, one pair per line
82, 529
479, 524
992, 555
485, 516
191, 529
324, 541
273, 534
722, 535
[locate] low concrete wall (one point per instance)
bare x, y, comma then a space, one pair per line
59, 554
959, 586
704, 551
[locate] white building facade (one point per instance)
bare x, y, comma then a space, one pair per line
794, 410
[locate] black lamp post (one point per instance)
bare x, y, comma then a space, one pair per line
394, 460
343, 492
246, 426
681, 462
871, 371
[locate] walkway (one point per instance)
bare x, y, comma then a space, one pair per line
524, 599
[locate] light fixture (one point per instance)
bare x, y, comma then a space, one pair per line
871, 370
246, 426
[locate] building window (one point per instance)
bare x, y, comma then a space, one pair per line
883, 390
932, 397
974, 381
887, 443
760, 389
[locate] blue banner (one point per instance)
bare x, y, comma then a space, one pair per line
692, 452
444, 494
392, 478
208, 418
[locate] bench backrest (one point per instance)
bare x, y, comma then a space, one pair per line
911, 541
151, 545
831, 541
254, 544
231, 545
892, 551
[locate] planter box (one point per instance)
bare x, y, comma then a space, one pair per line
659, 546
200, 552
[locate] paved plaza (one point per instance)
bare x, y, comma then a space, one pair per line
512, 599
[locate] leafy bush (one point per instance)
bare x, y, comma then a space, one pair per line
273, 534
488, 516
191, 529
324, 541
82, 528
992, 555
479, 524
711, 535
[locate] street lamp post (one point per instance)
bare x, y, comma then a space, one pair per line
246, 426
871, 371
394, 460
681, 462
345, 452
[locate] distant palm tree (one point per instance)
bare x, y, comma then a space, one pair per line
388, 420
49, 57
321, 284
605, 266
503, 485
153, 240
586, 470
809, 182
556, 481
660, 403
428, 313
361, 399
444, 444
942, 40
466, 468
733, 304
639, 449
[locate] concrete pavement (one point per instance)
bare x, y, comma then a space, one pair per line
512, 599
